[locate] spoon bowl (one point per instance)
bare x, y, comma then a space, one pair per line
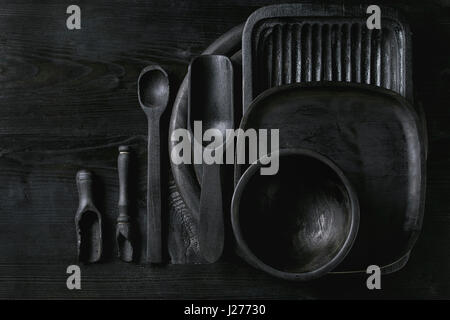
153, 87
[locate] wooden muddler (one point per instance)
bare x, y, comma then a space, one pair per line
123, 230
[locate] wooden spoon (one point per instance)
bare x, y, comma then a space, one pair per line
153, 93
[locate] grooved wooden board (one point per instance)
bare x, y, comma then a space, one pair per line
291, 44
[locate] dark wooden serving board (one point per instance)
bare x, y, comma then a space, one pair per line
374, 136
68, 100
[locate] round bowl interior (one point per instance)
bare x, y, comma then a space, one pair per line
298, 223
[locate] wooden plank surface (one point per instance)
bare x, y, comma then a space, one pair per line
68, 100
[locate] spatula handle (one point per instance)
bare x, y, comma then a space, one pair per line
211, 225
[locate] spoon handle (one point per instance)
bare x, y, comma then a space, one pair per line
154, 246
211, 227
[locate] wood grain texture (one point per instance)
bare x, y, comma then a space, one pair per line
68, 100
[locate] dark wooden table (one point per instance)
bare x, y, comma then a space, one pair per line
68, 100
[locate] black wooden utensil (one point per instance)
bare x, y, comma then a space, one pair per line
187, 180
153, 94
187, 177
88, 221
124, 235
211, 102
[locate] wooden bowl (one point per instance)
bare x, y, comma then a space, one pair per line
301, 222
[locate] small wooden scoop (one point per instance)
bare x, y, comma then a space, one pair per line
88, 221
